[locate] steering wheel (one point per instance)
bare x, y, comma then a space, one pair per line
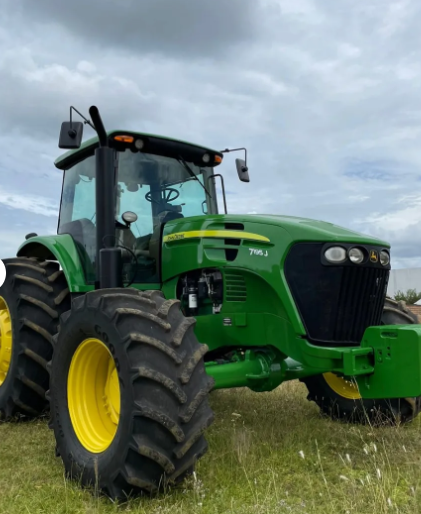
169, 195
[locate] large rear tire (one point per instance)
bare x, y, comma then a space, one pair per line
338, 398
32, 298
128, 392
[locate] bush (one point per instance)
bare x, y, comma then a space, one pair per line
410, 297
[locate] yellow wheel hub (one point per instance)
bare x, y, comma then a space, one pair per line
93, 394
342, 387
5, 340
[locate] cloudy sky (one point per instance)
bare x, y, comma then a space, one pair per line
325, 95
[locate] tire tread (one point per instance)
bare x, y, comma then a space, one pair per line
29, 290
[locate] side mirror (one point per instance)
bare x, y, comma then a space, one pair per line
71, 135
242, 170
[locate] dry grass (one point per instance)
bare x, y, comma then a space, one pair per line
269, 453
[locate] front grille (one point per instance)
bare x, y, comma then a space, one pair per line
336, 303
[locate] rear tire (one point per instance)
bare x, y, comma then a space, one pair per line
162, 409
340, 399
32, 298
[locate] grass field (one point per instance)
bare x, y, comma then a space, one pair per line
268, 453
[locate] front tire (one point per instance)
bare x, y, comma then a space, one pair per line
128, 392
338, 398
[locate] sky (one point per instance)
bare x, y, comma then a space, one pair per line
325, 95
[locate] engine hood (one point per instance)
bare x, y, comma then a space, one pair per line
298, 229
301, 229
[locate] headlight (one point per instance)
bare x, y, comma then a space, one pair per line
384, 258
335, 254
356, 255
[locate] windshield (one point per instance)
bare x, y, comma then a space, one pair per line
156, 188
153, 186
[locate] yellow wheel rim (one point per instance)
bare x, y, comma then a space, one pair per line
342, 387
5, 340
93, 394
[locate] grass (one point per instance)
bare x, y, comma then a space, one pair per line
268, 453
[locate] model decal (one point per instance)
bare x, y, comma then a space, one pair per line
226, 234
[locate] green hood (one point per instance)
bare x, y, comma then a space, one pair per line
300, 229
304, 228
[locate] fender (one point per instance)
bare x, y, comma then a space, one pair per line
59, 248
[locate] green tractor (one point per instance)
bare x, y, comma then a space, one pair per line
148, 299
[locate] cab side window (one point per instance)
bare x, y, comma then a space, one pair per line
77, 212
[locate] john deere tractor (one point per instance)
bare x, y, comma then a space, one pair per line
148, 299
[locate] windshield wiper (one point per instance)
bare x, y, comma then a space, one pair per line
192, 174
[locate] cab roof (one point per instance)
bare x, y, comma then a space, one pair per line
151, 139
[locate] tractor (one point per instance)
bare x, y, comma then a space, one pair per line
148, 299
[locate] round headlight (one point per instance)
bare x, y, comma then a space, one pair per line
335, 254
384, 258
139, 144
206, 158
356, 255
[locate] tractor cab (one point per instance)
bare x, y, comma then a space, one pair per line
156, 180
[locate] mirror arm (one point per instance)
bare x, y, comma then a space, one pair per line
223, 188
227, 150
96, 124
86, 121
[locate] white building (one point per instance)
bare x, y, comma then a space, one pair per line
404, 279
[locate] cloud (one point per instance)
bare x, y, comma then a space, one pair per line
29, 203
401, 224
47, 91
325, 96
163, 27
17, 222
